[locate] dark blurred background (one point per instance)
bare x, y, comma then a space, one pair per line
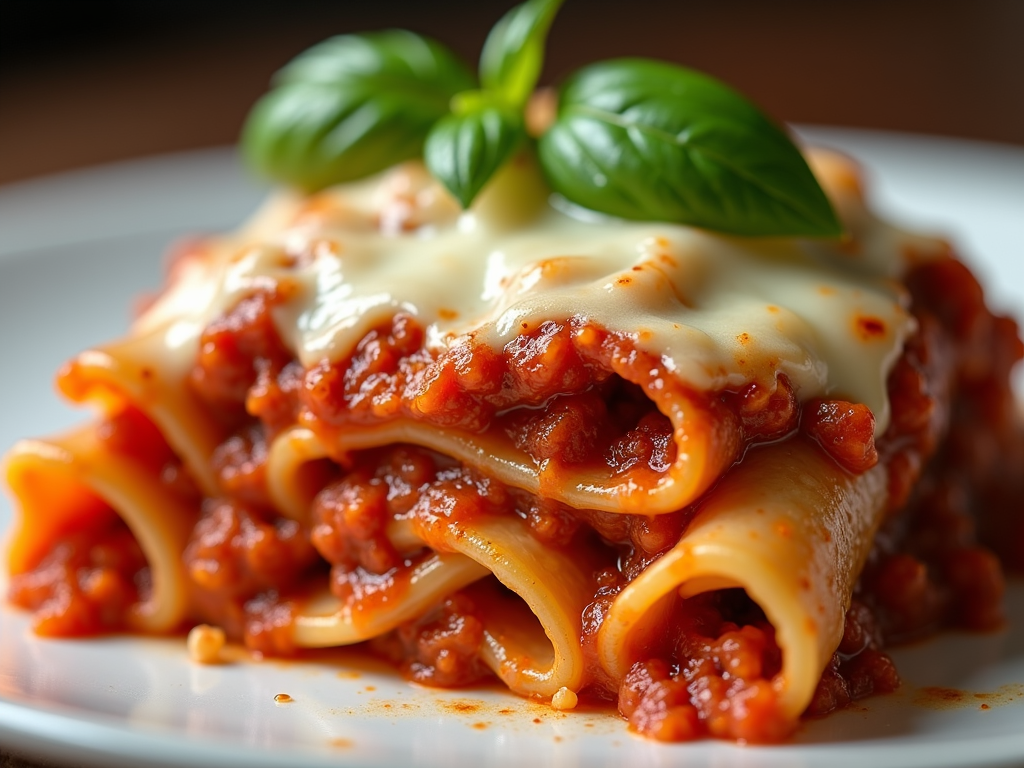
98, 80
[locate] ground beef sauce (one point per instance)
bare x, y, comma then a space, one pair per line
86, 584
559, 392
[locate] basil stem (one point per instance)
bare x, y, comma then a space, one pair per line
647, 140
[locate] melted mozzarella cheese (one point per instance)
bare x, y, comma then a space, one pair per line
720, 311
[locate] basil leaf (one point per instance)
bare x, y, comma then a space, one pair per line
513, 54
464, 150
352, 106
647, 140
395, 53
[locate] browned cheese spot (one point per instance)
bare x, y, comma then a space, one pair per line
869, 328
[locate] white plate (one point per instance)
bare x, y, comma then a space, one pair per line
75, 249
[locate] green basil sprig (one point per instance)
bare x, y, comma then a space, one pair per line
634, 138
352, 106
643, 139
486, 128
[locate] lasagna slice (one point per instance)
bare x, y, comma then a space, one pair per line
704, 477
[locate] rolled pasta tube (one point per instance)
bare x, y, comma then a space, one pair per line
127, 371
531, 642
295, 472
323, 619
149, 371
791, 528
293, 480
533, 655
706, 445
70, 482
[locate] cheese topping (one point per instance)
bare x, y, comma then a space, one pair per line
720, 311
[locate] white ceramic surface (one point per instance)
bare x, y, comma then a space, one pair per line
75, 249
